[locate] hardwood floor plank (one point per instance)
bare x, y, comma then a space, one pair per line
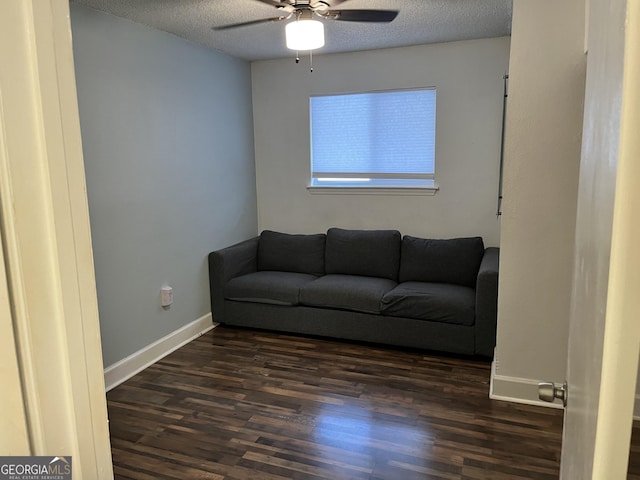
240, 404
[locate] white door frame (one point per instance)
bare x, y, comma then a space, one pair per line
622, 326
604, 335
50, 297
14, 435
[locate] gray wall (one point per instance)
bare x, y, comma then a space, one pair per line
168, 146
468, 78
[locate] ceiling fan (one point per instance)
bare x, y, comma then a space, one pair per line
320, 8
305, 32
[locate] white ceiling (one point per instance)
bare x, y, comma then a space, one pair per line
419, 22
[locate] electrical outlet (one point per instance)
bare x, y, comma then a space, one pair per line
166, 296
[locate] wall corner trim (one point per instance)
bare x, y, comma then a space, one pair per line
126, 368
516, 390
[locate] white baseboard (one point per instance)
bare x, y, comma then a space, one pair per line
126, 368
517, 390
524, 390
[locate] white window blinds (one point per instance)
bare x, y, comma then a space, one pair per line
374, 139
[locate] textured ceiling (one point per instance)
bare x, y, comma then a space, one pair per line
419, 22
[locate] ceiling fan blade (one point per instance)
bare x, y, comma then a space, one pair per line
252, 22
382, 16
282, 5
274, 3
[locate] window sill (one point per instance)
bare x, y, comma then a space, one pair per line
429, 191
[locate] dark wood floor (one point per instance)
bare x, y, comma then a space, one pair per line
243, 404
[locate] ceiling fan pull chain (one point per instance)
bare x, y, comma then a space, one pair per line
311, 60
297, 57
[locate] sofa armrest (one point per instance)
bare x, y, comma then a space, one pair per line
487, 302
225, 264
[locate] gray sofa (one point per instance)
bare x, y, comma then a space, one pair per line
366, 285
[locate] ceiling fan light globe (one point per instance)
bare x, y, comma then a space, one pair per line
304, 35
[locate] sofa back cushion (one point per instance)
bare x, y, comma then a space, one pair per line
371, 253
454, 261
283, 252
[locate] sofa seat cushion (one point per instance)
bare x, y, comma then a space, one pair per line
278, 288
438, 302
346, 292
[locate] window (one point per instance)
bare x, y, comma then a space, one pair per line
374, 140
